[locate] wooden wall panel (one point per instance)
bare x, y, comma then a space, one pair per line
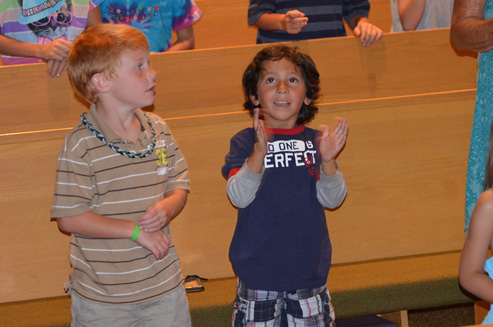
405, 160
404, 163
223, 24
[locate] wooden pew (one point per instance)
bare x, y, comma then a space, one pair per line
409, 102
209, 81
224, 23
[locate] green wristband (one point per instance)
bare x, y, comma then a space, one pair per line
136, 233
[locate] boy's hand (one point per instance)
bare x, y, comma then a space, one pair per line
294, 21
256, 160
160, 213
156, 242
332, 142
260, 136
156, 217
367, 32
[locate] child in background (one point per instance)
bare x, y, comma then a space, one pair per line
281, 174
479, 240
411, 15
283, 20
121, 179
43, 30
157, 20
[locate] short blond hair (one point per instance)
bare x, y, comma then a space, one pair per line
99, 49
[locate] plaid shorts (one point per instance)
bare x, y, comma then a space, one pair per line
306, 307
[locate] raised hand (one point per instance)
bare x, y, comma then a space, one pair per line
260, 136
256, 160
332, 142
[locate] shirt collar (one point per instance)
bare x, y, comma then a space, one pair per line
281, 131
99, 124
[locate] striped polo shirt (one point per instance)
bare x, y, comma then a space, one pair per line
325, 18
93, 177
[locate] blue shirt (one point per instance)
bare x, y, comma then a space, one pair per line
281, 241
325, 17
156, 19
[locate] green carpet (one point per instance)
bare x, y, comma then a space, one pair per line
357, 289
55, 312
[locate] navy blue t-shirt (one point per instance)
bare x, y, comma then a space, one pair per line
325, 17
281, 241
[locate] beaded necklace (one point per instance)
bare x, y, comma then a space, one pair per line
128, 154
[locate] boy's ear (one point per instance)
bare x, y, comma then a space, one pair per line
254, 100
100, 82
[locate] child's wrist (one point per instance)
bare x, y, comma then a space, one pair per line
284, 23
330, 167
136, 233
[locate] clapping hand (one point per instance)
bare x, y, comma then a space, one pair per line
332, 141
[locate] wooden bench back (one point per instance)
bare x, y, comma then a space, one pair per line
409, 101
224, 23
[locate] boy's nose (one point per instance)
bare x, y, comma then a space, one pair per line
152, 74
282, 88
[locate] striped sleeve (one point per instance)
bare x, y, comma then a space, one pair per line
352, 8
259, 7
74, 185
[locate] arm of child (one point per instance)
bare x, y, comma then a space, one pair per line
56, 50
366, 31
331, 188
292, 22
94, 225
411, 13
185, 40
162, 212
55, 53
475, 251
243, 186
469, 29
94, 17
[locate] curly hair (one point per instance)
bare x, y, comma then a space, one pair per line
302, 61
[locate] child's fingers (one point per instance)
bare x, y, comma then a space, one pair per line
325, 131
295, 14
151, 228
50, 66
301, 20
260, 125
256, 115
341, 127
148, 218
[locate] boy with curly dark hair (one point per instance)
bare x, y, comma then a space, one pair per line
281, 174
